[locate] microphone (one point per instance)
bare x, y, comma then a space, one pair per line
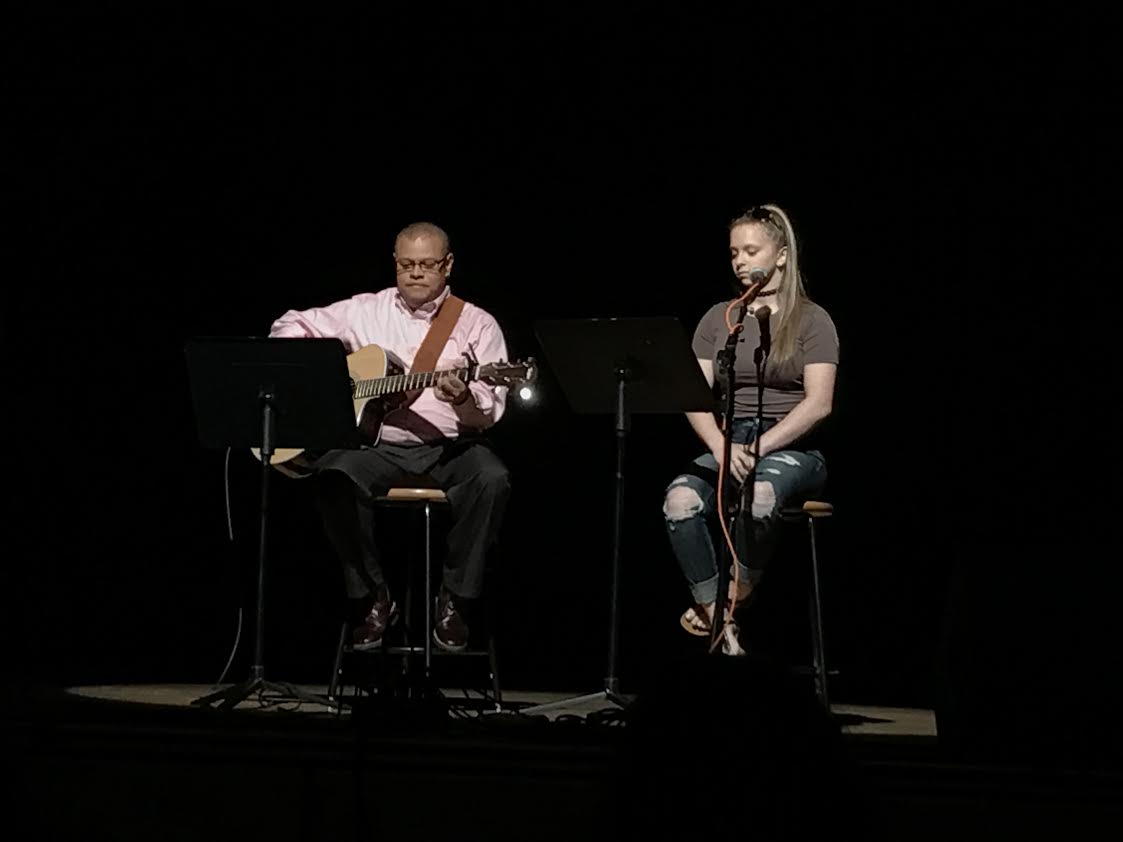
757, 279
762, 315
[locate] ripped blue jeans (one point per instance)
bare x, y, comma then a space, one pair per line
690, 504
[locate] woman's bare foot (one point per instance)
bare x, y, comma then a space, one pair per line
697, 619
740, 591
731, 642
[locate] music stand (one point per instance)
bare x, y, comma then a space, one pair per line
621, 366
269, 393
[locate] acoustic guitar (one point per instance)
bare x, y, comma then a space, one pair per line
379, 384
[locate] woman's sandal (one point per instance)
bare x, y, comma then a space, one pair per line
695, 622
694, 619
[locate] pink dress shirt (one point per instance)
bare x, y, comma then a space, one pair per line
382, 318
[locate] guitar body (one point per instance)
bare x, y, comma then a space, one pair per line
368, 363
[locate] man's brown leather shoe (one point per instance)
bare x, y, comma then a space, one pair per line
450, 632
368, 634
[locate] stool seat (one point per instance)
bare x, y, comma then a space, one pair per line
817, 508
433, 495
809, 508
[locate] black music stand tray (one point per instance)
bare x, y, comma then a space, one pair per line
621, 366
269, 393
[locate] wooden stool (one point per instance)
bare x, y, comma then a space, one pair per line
425, 499
811, 511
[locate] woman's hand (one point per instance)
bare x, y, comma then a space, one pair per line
740, 460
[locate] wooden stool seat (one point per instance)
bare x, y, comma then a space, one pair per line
811, 508
406, 493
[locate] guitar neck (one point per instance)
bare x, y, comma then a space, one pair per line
397, 383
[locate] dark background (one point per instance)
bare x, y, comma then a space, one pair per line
178, 174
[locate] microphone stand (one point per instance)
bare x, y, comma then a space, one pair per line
760, 358
728, 505
733, 506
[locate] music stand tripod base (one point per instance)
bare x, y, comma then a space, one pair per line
230, 697
605, 695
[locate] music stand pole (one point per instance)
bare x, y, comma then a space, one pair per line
257, 684
243, 389
267, 427
621, 367
611, 691
612, 681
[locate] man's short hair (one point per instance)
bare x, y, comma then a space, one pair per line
424, 229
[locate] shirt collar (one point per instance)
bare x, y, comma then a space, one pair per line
427, 310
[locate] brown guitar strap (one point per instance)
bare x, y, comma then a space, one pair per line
440, 329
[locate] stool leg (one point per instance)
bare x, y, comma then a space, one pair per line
428, 591
337, 666
817, 648
410, 632
493, 661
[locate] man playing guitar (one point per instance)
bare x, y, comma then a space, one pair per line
430, 432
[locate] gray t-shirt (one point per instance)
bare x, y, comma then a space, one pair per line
783, 382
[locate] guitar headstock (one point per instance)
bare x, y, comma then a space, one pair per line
509, 373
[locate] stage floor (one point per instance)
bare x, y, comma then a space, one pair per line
856, 720
138, 761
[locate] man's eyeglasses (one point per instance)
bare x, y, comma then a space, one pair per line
429, 264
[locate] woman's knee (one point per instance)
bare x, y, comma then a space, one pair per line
682, 500
765, 500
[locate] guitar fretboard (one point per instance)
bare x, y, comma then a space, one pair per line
396, 383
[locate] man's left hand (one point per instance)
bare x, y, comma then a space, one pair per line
452, 389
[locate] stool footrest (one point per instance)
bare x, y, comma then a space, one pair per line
807, 670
